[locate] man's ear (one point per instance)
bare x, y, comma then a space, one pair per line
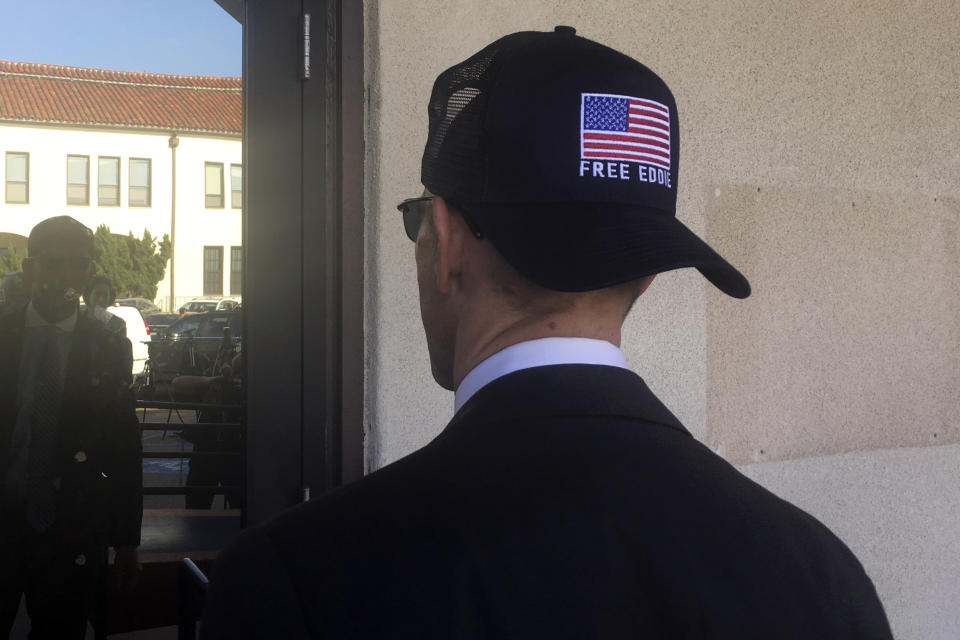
91, 271
449, 249
28, 266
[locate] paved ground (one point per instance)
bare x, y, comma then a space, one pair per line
167, 472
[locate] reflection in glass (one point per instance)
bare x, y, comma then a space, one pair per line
78, 175
139, 182
236, 186
17, 171
213, 181
108, 182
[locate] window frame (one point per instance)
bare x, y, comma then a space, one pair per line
86, 202
206, 194
100, 202
239, 191
7, 180
207, 290
149, 186
236, 276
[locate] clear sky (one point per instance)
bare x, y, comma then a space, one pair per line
192, 37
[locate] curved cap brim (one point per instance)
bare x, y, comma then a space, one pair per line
578, 246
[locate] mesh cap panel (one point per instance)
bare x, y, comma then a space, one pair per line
453, 160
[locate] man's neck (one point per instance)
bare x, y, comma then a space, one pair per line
54, 315
476, 343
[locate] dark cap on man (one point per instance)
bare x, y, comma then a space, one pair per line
565, 154
57, 232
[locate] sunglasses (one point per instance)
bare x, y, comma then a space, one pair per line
63, 263
414, 208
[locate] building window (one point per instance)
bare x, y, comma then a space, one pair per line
78, 179
236, 186
18, 177
213, 271
213, 181
108, 182
236, 270
139, 195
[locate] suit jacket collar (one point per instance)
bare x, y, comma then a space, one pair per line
79, 363
540, 352
566, 390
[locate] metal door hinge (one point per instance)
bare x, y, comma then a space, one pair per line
305, 46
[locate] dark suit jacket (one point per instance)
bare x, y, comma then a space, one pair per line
560, 502
98, 454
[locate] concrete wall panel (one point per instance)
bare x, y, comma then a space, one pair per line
897, 511
851, 339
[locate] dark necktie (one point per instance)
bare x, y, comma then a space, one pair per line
42, 466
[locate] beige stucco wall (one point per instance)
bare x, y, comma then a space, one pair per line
820, 152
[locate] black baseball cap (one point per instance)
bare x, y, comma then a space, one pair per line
53, 232
565, 154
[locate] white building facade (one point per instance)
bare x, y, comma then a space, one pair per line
133, 151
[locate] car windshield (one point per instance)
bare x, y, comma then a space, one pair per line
213, 326
162, 318
201, 306
189, 323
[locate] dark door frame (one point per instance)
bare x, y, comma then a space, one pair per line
303, 238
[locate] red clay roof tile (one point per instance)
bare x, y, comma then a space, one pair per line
55, 94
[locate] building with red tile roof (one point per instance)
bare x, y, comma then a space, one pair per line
131, 151
57, 94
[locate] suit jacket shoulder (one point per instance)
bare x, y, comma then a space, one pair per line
560, 502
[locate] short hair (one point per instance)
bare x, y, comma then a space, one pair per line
524, 295
52, 231
519, 291
97, 280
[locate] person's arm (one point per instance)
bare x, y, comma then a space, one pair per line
128, 567
123, 468
192, 388
124, 451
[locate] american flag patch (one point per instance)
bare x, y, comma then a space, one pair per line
624, 128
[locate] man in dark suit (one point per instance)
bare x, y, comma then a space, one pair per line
70, 472
563, 500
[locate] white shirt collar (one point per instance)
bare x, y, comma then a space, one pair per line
537, 353
34, 319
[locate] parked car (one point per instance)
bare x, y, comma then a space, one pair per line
137, 332
201, 305
144, 306
192, 345
158, 323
